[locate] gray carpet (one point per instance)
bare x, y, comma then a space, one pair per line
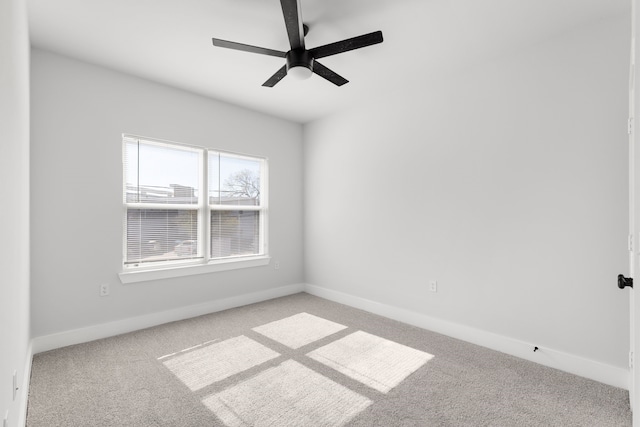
304, 361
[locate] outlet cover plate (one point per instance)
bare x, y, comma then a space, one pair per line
104, 289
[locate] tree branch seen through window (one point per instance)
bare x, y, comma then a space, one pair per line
243, 184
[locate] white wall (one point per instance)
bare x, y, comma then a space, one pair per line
14, 199
79, 112
506, 183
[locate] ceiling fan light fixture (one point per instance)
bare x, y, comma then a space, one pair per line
299, 72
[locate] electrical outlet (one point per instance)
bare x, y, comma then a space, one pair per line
276, 265
104, 289
433, 286
15, 384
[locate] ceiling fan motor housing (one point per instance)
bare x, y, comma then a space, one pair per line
299, 58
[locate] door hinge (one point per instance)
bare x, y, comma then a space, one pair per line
630, 125
631, 359
630, 242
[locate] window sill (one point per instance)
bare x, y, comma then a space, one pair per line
190, 270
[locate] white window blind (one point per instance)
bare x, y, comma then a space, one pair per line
234, 233
168, 221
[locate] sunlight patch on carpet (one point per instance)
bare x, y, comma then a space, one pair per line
371, 360
289, 394
207, 365
299, 330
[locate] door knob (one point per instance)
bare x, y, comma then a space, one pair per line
624, 281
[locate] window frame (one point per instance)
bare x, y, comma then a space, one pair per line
203, 264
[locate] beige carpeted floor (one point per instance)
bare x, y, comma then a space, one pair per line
305, 361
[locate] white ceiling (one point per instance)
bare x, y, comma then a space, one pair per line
169, 41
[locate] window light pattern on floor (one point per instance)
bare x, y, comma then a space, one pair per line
374, 361
290, 393
215, 362
299, 330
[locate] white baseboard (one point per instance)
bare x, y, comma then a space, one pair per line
587, 368
598, 371
91, 333
23, 388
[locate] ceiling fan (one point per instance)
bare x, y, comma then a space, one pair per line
302, 62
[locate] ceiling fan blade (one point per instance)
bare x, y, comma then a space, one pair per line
326, 73
293, 21
347, 45
248, 48
279, 75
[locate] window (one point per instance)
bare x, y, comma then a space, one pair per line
190, 206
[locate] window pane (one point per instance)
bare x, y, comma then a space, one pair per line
214, 177
155, 235
234, 233
158, 173
234, 180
